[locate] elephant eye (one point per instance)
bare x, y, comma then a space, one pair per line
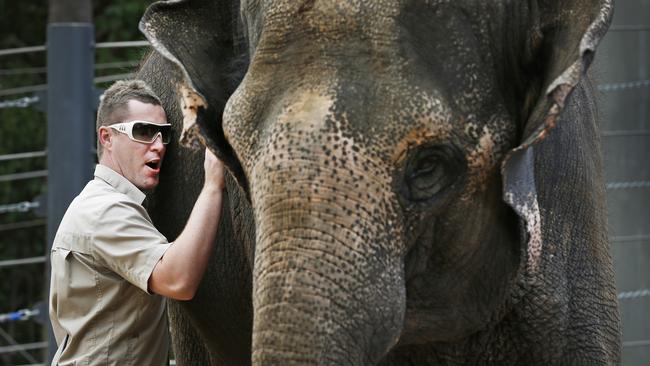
430, 171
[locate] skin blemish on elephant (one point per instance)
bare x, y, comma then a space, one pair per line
481, 162
304, 108
550, 122
190, 102
471, 129
533, 228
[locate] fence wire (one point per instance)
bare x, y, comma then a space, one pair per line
628, 185
629, 238
22, 262
23, 89
25, 155
625, 133
631, 344
15, 347
624, 85
630, 28
24, 347
19, 103
22, 225
42, 48
19, 315
43, 70
634, 294
19, 207
43, 87
21, 176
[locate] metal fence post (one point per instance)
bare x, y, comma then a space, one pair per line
70, 124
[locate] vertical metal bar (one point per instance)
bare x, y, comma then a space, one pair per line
643, 74
70, 127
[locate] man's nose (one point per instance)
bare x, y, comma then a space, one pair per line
157, 143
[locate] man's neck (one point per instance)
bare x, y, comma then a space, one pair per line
108, 161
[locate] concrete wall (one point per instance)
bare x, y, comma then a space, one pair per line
624, 56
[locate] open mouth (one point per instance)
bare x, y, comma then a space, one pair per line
153, 164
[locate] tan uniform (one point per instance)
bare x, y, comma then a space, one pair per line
102, 256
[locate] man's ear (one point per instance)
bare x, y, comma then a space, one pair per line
105, 137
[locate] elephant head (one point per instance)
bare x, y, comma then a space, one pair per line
385, 150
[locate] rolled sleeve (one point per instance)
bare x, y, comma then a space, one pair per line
129, 244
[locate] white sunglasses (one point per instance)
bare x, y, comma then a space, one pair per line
144, 131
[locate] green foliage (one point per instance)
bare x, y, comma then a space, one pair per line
23, 24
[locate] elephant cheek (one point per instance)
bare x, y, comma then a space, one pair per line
324, 292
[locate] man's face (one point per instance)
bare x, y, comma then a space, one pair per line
139, 162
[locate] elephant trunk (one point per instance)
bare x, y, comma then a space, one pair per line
328, 280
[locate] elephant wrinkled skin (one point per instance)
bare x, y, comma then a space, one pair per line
411, 182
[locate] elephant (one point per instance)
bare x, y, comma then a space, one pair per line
409, 182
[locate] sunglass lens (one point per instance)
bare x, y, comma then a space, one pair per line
144, 132
147, 132
166, 132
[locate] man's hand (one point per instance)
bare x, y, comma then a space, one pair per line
214, 172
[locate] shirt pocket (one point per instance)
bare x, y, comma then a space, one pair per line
73, 267
60, 271
73, 242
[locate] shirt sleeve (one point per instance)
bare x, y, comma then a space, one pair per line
128, 243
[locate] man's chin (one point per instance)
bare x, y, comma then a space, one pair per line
149, 185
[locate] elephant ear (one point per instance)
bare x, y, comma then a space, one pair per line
200, 38
567, 34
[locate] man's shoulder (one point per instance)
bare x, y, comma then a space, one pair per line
97, 195
95, 199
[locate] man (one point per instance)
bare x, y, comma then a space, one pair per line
110, 265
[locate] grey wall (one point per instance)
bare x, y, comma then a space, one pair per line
624, 57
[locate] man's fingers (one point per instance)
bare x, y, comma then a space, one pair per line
213, 169
209, 155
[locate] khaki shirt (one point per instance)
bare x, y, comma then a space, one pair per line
102, 256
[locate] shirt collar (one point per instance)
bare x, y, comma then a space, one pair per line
117, 181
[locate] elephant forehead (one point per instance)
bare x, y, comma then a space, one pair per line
384, 78
330, 124
327, 18
309, 125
